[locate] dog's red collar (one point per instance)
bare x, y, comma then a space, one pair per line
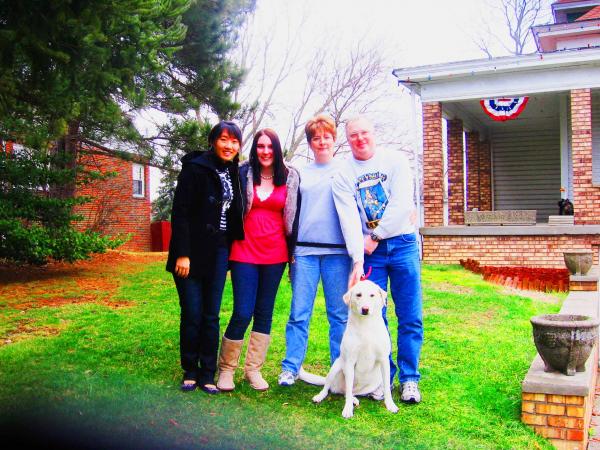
364, 276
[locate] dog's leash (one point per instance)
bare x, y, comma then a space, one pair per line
364, 276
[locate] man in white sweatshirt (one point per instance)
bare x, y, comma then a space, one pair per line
374, 198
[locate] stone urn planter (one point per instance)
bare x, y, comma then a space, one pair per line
564, 341
579, 262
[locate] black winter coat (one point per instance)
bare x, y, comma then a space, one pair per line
196, 213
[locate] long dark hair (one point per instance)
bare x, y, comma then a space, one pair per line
279, 169
216, 131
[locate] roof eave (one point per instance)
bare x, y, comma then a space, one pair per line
439, 72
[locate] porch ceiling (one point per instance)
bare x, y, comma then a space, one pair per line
541, 112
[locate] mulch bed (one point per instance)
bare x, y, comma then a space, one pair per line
527, 278
58, 283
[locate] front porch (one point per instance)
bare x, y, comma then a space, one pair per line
473, 163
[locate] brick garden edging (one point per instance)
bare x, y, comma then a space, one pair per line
557, 406
530, 278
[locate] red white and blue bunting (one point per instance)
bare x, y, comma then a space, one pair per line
504, 108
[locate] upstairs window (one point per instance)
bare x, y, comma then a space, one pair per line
138, 180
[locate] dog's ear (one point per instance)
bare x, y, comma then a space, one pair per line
347, 296
383, 295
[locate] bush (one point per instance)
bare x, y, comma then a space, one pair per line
36, 225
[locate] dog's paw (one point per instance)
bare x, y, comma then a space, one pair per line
318, 398
355, 401
348, 411
391, 407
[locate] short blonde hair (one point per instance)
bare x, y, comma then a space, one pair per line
321, 122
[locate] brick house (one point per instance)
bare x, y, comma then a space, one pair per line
121, 204
548, 152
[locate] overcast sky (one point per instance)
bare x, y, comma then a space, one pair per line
415, 32
410, 33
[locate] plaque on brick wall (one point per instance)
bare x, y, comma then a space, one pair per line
506, 217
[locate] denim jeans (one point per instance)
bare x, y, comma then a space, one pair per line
397, 258
200, 302
306, 271
254, 291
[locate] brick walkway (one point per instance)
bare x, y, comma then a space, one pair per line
594, 442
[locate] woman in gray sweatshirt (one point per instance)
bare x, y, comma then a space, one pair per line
320, 252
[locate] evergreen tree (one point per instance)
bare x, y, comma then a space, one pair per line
200, 77
68, 71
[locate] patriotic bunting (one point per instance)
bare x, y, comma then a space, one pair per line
502, 109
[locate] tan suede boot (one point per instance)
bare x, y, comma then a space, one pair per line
255, 358
229, 357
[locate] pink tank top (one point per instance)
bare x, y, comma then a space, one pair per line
264, 241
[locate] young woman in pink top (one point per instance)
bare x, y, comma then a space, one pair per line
257, 262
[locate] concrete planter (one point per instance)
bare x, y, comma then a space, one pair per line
579, 262
564, 341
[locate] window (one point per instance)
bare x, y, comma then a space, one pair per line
138, 180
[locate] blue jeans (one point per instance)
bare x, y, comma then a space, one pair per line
397, 258
200, 302
306, 272
254, 291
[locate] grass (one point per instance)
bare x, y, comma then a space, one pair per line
90, 374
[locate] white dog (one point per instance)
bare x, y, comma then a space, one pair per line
363, 366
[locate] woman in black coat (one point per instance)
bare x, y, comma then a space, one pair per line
206, 218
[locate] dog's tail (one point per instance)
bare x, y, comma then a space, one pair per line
310, 378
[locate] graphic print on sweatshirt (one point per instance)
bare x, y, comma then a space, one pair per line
372, 195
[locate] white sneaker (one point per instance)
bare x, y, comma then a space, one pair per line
286, 378
410, 392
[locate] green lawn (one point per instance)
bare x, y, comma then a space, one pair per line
106, 376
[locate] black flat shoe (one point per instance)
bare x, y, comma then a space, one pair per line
209, 390
188, 387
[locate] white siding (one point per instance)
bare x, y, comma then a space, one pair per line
527, 170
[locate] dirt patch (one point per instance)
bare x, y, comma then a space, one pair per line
535, 295
26, 329
431, 311
449, 287
59, 284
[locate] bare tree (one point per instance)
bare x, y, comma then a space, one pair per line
266, 73
300, 81
337, 86
513, 35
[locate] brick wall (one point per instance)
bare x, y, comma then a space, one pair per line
479, 173
472, 150
433, 165
114, 210
558, 417
456, 186
485, 176
585, 197
522, 251
563, 419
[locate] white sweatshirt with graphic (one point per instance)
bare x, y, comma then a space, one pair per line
379, 191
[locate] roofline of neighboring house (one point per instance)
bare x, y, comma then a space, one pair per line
552, 29
558, 29
99, 149
412, 77
557, 6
